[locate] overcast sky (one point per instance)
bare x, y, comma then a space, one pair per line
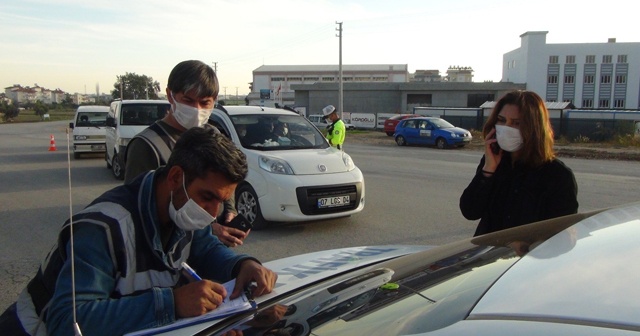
74, 45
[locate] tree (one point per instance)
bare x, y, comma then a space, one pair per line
135, 87
40, 108
10, 111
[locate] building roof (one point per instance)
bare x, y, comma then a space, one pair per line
332, 67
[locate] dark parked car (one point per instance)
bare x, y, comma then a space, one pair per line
430, 131
391, 123
572, 275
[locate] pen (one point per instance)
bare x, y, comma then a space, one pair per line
191, 271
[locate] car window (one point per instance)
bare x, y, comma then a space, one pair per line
277, 132
92, 119
410, 124
441, 123
142, 114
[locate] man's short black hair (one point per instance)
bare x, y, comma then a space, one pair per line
194, 75
202, 150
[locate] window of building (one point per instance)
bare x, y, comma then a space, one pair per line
589, 79
606, 59
605, 79
328, 79
571, 59
294, 79
568, 101
311, 79
553, 59
347, 79
552, 79
587, 103
277, 79
618, 103
621, 79
379, 79
569, 79
604, 103
362, 79
622, 58
590, 59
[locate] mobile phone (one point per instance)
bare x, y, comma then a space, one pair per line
239, 222
495, 148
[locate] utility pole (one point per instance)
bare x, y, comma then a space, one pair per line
225, 93
340, 90
236, 93
215, 67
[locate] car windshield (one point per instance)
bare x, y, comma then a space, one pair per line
441, 123
143, 114
277, 132
92, 119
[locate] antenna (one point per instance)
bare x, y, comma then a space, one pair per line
76, 327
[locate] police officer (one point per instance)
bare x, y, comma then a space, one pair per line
335, 131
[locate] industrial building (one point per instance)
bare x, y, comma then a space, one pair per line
588, 75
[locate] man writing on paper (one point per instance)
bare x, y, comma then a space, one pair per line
129, 246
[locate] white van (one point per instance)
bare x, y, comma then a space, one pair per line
126, 119
321, 123
89, 127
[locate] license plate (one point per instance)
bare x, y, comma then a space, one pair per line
331, 202
97, 147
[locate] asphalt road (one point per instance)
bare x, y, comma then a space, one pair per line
411, 198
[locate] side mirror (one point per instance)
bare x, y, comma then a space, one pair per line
71, 125
111, 122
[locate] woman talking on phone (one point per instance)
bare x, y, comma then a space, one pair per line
519, 179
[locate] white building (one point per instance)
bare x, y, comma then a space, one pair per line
589, 75
272, 83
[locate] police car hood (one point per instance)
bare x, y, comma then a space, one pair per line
297, 271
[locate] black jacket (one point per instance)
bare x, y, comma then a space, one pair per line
515, 195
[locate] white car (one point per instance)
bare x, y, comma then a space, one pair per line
294, 175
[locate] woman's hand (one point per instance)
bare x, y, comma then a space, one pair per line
491, 159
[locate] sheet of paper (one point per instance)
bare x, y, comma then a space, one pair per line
228, 307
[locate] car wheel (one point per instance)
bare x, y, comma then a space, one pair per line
441, 143
117, 168
247, 204
400, 140
106, 159
390, 133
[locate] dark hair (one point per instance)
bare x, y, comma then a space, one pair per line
535, 127
194, 75
202, 150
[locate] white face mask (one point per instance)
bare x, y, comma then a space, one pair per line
191, 216
509, 138
189, 116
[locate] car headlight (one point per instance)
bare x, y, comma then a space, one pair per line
276, 166
453, 135
348, 162
80, 137
122, 142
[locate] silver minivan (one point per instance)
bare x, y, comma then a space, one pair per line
89, 127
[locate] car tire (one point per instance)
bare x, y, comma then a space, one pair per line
401, 141
106, 159
248, 205
390, 133
116, 167
441, 143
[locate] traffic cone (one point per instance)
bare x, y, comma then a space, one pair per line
52, 146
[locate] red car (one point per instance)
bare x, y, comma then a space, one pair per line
391, 123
